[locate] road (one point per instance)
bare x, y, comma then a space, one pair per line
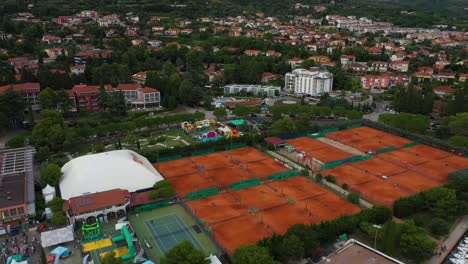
379, 109
208, 114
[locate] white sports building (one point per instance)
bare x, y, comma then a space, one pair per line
312, 82
119, 169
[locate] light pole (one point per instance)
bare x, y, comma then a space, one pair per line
377, 227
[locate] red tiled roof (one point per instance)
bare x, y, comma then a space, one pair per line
96, 201
78, 89
148, 90
445, 88
128, 86
20, 87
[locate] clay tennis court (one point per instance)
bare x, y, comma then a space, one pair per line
413, 181
381, 191
217, 169
277, 205
317, 149
456, 161
428, 152
437, 169
350, 175
378, 167
402, 157
190, 182
244, 230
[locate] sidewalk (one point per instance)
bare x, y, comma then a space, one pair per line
451, 240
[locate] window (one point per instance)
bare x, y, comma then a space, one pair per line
13, 212
5, 213
20, 210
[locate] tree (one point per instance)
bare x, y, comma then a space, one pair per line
304, 124
59, 218
56, 204
31, 117
283, 126
11, 108
162, 189
414, 242
220, 113
291, 249
42, 153
252, 254
184, 253
50, 174
353, 197
353, 114
47, 98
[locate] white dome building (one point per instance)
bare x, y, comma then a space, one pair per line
119, 169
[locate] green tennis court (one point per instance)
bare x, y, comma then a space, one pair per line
168, 231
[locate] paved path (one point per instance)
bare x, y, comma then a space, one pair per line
329, 184
452, 240
341, 146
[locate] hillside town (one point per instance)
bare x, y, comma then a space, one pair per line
163, 137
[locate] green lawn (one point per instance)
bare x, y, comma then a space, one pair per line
138, 223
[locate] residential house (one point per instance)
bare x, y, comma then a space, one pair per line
445, 77
463, 77
50, 39
139, 77
347, 60
173, 32
252, 52
319, 58
400, 66
87, 97
155, 43
268, 77
380, 66
295, 62
443, 90
29, 92
77, 69
53, 53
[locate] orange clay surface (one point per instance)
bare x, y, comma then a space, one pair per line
381, 191
217, 169
317, 149
234, 225
349, 174
413, 181
378, 167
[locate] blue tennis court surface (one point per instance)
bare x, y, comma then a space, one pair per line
168, 231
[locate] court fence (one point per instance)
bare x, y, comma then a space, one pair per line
353, 126
202, 152
411, 144
294, 136
203, 193
168, 158
152, 206
203, 227
338, 163
245, 184
235, 146
283, 175
387, 149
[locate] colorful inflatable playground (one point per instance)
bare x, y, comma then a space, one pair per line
96, 246
210, 130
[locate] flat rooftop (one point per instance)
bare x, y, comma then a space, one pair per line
356, 252
16, 177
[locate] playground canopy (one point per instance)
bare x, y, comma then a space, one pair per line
60, 251
57, 236
119, 169
49, 193
237, 122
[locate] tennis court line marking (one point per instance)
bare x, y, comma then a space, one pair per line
187, 233
172, 234
155, 236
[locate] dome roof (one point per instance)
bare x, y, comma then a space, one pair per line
119, 169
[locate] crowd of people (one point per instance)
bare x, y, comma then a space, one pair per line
20, 244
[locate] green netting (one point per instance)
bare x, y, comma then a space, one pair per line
407, 145
315, 135
202, 193
360, 158
202, 152
151, 206
353, 126
283, 175
332, 164
387, 149
245, 184
329, 130
235, 146
168, 158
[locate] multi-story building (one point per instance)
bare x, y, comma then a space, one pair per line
87, 97
311, 82
17, 199
29, 92
254, 89
138, 97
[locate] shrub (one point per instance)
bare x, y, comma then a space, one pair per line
330, 178
319, 178
99, 148
438, 226
353, 197
344, 186
59, 218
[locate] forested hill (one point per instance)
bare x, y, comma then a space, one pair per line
427, 12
